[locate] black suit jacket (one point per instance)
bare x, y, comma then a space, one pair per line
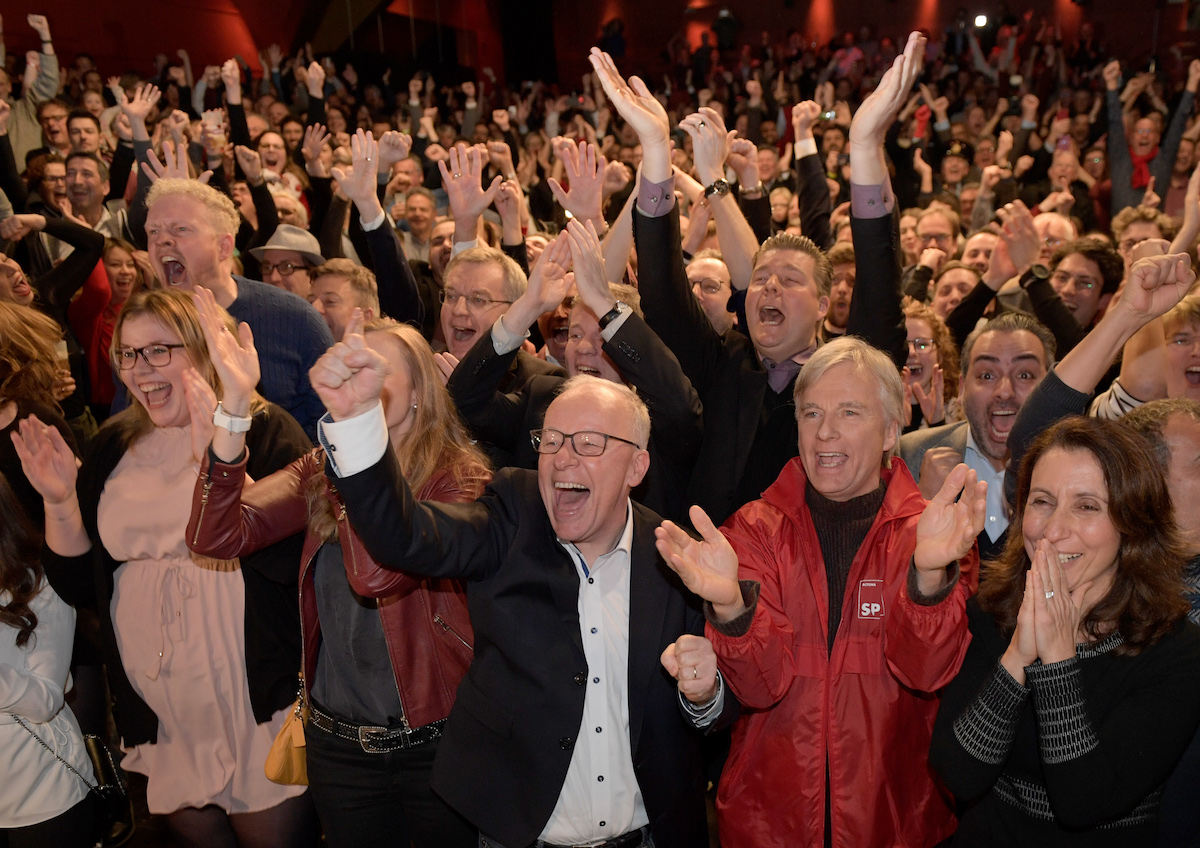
726, 370
505, 419
506, 749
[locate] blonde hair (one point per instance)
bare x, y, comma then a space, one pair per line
28, 365
438, 439
176, 311
219, 209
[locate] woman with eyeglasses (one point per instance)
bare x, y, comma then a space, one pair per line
931, 372
383, 652
201, 653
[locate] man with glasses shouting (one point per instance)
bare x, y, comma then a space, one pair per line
565, 731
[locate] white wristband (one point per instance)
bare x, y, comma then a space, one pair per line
232, 423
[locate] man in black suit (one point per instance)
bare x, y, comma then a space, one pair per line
565, 729
745, 384
625, 350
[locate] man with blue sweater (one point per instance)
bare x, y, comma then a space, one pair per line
190, 231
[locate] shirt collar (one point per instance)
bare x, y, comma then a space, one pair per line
982, 461
624, 544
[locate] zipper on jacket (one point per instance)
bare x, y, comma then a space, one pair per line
203, 506
354, 565
449, 628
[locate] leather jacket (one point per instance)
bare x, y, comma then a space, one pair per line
425, 621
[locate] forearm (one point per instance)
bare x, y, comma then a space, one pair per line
65, 534
736, 237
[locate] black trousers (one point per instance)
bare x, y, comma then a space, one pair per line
379, 800
72, 829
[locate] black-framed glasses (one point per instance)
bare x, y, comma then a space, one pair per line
920, 344
475, 302
936, 238
156, 355
584, 443
285, 269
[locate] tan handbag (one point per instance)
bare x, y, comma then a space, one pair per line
286, 761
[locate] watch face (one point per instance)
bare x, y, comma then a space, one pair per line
719, 187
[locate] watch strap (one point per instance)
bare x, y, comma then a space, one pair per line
232, 423
611, 315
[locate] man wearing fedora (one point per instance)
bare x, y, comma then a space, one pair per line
288, 258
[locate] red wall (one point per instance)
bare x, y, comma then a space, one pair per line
1126, 25
126, 34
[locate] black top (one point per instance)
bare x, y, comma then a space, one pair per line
10, 463
272, 617
1077, 756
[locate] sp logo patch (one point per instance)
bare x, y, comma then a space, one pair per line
870, 599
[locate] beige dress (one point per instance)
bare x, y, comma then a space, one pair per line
179, 622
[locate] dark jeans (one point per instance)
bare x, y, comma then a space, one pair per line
379, 800
72, 829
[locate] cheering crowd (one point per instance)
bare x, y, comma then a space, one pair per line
836, 408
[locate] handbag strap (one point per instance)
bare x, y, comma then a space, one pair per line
91, 787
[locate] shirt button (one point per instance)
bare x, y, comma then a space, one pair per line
602, 824
595, 679
333, 447
598, 729
600, 778
593, 629
591, 579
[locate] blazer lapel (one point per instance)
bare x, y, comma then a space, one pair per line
649, 598
562, 579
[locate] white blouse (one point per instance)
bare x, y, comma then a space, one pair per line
36, 786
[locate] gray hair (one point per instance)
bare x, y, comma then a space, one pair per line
515, 280
636, 409
865, 359
1150, 420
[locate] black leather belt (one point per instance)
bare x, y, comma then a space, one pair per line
376, 740
625, 840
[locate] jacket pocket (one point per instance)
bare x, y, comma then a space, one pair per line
484, 709
452, 631
863, 656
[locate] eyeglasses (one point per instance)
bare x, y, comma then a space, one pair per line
938, 238
156, 355
475, 302
285, 269
709, 285
584, 443
920, 344
54, 179
1053, 243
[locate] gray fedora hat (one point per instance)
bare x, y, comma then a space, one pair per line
289, 237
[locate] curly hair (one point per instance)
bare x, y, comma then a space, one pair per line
20, 564
1146, 598
28, 364
944, 340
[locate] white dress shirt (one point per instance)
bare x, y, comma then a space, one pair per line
996, 521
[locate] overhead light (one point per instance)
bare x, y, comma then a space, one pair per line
981, 21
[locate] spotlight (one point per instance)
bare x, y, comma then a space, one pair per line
981, 21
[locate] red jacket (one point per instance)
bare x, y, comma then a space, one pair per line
869, 705
425, 621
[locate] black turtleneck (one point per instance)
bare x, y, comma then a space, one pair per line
841, 527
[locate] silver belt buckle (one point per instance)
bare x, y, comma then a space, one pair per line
366, 735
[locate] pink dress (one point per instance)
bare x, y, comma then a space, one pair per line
180, 628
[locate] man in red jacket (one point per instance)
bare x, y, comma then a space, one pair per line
837, 611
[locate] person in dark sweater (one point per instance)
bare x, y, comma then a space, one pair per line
1081, 686
190, 230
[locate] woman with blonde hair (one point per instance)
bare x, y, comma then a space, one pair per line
201, 654
383, 651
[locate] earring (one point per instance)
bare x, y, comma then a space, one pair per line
414, 407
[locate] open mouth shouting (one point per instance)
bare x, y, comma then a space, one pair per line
1000, 421
831, 459
569, 498
770, 316
157, 394
174, 272
1192, 375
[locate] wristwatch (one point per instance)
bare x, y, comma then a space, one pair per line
720, 187
232, 423
615, 313
758, 189
1037, 272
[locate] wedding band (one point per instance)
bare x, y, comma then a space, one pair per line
456, 176
1049, 595
695, 673
702, 123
